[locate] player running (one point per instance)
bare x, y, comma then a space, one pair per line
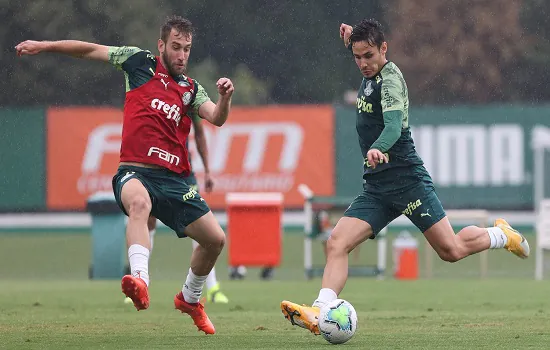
153, 155
395, 180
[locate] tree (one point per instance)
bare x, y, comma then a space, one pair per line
470, 51
249, 90
535, 18
458, 51
54, 79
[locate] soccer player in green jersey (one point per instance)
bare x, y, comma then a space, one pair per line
395, 180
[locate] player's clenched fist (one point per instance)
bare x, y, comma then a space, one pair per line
345, 32
225, 87
29, 47
376, 157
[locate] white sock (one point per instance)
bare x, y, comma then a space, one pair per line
326, 295
152, 237
138, 256
192, 288
211, 280
497, 236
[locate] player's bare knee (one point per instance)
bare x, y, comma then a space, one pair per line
139, 206
215, 244
216, 247
219, 244
337, 245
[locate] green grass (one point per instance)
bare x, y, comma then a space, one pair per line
46, 301
57, 256
392, 315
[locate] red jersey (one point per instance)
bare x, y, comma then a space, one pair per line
156, 122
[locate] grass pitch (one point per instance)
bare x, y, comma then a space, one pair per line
392, 315
47, 302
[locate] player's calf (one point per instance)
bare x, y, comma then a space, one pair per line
211, 238
472, 239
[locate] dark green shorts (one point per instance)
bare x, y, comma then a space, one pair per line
393, 192
192, 181
174, 201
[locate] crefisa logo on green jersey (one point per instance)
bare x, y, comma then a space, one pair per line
189, 195
412, 206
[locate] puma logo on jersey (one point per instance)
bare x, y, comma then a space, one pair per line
128, 174
412, 207
165, 84
172, 112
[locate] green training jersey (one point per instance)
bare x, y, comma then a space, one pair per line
139, 67
383, 93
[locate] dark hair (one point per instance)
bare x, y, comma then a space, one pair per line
180, 24
369, 30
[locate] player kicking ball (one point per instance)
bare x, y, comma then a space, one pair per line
395, 180
213, 291
153, 155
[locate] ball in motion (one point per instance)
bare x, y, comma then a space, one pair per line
337, 321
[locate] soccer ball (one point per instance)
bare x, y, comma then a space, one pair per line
337, 321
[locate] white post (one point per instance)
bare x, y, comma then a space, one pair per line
543, 237
539, 262
307, 193
538, 185
308, 260
539, 258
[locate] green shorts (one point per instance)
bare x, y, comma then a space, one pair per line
393, 192
192, 181
174, 201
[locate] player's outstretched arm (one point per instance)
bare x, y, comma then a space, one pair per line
345, 33
75, 48
217, 113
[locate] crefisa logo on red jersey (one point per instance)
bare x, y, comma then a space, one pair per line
172, 112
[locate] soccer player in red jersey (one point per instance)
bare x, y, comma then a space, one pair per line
160, 98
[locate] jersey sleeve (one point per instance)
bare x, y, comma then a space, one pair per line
200, 98
130, 58
118, 55
393, 96
391, 132
138, 65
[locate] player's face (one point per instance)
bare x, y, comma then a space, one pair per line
175, 52
370, 59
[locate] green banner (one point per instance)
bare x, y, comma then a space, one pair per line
22, 159
479, 157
